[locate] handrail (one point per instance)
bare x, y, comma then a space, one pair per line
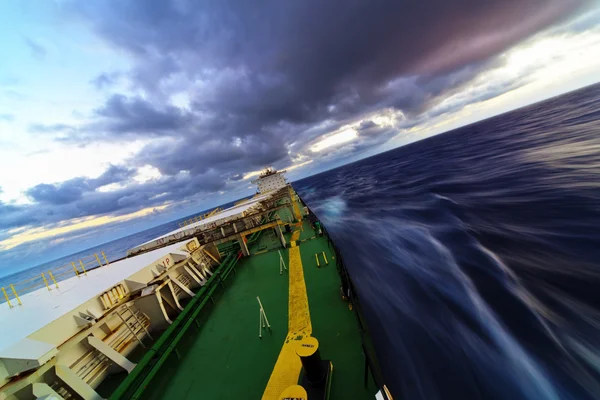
50, 278
136, 382
199, 217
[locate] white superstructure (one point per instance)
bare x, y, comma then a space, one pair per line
76, 334
224, 216
270, 180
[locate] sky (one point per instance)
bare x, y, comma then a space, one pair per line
116, 116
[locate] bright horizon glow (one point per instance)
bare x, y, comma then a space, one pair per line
345, 136
35, 234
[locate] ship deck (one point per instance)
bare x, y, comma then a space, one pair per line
225, 358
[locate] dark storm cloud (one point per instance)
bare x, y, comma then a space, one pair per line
121, 115
256, 66
63, 193
79, 197
73, 189
371, 134
197, 156
263, 81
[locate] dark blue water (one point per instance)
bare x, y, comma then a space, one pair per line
476, 254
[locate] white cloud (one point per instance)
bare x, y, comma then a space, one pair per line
38, 161
147, 173
335, 139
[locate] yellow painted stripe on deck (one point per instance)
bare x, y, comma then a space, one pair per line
287, 368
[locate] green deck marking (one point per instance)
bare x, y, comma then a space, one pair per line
225, 359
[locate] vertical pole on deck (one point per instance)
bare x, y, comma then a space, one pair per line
6, 297
105, 259
98, 259
82, 267
54, 280
16, 295
281, 263
45, 282
262, 318
259, 323
75, 269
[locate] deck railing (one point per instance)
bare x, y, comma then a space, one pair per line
137, 381
200, 217
51, 278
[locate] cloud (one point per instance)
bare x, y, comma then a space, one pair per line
82, 197
70, 226
37, 50
122, 115
71, 190
217, 89
51, 128
105, 80
267, 84
7, 117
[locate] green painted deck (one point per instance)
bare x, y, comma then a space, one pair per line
225, 359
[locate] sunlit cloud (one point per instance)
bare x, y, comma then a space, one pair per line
251, 174
35, 234
334, 139
147, 173
542, 67
300, 165
111, 187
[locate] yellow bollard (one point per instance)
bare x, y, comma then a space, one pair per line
54, 280
75, 269
82, 267
6, 297
317, 258
98, 259
105, 259
16, 295
325, 257
46, 282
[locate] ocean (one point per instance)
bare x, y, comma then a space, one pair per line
476, 254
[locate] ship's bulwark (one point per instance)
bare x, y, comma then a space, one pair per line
477, 254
